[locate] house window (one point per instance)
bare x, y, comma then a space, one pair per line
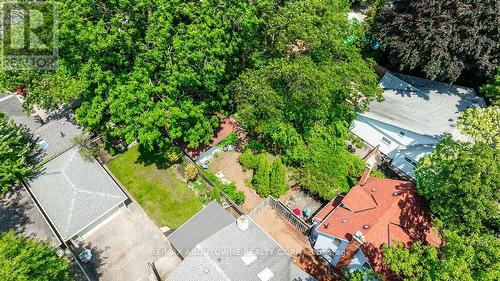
386, 140
402, 133
366, 265
336, 242
409, 160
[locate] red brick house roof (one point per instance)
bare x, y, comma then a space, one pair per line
384, 210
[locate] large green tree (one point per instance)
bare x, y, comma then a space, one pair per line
444, 39
147, 70
329, 168
24, 259
467, 258
18, 153
460, 182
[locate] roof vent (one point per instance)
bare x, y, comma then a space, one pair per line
344, 220
248, 258
242, 222
365, 226
265, 275
374, 189
395, 193
219, 259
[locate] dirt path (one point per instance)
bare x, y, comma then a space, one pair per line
227, 162
294, 242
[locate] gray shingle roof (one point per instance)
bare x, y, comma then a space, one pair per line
207, 222
75, 192
219, 257
58, 131
422, 106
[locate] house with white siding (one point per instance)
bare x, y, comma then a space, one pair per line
416, 113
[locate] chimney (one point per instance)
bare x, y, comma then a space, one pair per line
356, 241
242, 222
366, 174
370, 162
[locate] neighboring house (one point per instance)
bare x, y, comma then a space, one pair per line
76, 194
203, 153
350, 231
54, 132
416, 113
215, 246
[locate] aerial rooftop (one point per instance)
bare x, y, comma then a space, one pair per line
383, 210
414, 103
54, 132
240, 251
75, 192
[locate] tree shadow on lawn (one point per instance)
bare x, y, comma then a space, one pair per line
157, 157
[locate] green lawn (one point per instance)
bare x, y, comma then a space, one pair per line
167, 200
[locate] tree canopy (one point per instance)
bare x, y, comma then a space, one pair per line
482, 124
460, 182
492, 89
467, 258
23, 259
444, 39
158, 72
18, 154
329, 168
147, 70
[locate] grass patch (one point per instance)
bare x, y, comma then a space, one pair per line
166, 199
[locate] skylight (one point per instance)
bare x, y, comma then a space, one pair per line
248, 258
265, 275
43, 144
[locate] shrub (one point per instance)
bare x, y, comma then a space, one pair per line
376, 173
230, 139
190, 171
248, 160
277, 183
214, 194
255, 145
229, 189
261, 176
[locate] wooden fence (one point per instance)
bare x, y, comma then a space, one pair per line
285, 212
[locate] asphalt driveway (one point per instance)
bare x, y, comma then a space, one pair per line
124, 247
20, 214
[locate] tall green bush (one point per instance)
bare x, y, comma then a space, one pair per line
261, 176
248, 160
277, 182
